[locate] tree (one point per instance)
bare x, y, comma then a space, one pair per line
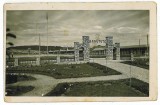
8, 34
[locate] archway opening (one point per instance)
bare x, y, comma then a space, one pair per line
81, 54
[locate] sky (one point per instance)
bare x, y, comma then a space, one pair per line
68, 26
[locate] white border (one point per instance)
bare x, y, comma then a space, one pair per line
1, 43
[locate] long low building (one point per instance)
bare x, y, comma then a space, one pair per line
125, 51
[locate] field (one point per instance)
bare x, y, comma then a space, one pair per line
66, 70
138, 64
102, 88
16, 78
17, 90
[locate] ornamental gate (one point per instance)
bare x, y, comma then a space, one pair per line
109, 49
85, 46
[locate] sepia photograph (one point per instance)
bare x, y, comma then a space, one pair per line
62, 53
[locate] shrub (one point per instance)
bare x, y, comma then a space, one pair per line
141, 61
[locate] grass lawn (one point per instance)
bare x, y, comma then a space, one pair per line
67, 70
16, 78
102, 88
133, 63
17, 90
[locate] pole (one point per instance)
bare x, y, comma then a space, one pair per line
38, 59
139, 44
39, 46
106, 59
130, 79
47, 31
147, 46
130, 74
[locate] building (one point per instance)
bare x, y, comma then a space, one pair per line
125, 51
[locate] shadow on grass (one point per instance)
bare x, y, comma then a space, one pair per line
10, 78
133, 63
17, 90
102, 88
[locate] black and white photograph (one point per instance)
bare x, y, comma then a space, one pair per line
78, 53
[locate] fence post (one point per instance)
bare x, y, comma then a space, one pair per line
132, 57
38, 61
58, 59
16, 62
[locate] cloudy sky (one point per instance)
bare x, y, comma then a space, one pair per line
66, 27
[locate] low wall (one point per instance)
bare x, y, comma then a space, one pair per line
37, 61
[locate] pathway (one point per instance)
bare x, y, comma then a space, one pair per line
136, 72
45, 84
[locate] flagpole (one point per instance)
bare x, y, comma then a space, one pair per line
39, 46
139, 44
47, 31
147, 46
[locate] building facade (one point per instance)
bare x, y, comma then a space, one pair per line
121, 52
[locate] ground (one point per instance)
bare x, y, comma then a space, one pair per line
44, 84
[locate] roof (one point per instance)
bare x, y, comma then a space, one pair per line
122, 47
133, 46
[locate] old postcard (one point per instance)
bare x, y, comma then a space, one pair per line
80, 52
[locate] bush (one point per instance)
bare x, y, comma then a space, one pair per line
105, 71
49, 58
27, 59
141, 61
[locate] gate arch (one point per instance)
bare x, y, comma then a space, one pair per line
85, 46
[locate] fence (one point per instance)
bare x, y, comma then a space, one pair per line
35, 61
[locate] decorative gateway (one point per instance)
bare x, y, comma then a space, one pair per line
85, 46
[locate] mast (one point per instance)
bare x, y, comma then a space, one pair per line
39, 46
147, 46
47, 31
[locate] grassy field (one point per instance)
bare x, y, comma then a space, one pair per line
67, 70
134, 63
102, 88
16, 78
17, 90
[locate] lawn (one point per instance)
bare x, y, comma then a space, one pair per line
10, 78
67, 70
17, 90
102, 88
134, 63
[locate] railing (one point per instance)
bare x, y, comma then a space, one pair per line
34, 60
